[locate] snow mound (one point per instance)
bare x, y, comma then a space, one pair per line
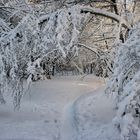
93, 115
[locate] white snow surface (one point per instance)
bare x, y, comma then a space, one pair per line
64, 108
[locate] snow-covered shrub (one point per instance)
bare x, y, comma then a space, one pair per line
125, 87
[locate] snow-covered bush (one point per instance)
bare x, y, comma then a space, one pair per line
125, 87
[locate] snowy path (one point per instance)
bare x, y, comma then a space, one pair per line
59, 109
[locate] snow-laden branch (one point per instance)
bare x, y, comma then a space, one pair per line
100, 12
89, 48
103, 60
107, 14
77, 67
4, 24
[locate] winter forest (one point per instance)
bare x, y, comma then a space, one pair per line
69, 70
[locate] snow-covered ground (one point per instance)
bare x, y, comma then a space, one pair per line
64, 108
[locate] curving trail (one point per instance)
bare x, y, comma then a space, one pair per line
59, 109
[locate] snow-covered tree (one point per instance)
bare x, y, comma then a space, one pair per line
124, 86
24, 47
